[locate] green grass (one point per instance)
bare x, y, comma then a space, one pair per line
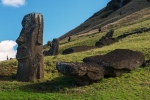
55, 86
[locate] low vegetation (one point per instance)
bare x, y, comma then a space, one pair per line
55, 86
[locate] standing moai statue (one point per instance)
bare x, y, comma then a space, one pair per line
7, 57
54, 48
99, 29
69, 39
49, 43
30, 46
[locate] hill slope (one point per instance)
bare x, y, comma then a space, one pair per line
114, 11
55, 86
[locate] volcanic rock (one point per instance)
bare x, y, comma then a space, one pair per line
30, 46
83, 73
118, 61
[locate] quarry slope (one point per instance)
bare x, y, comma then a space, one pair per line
120, 12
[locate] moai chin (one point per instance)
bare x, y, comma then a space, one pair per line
29, 51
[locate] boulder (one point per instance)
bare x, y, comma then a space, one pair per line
83, 73
118, 61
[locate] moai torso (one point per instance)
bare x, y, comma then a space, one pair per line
54, 48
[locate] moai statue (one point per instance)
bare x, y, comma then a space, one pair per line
110, 34
30, 46
49, 43
54, 48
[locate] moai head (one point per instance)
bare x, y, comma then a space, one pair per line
54, 48
30, 45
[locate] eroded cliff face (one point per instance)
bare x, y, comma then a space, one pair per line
114, 10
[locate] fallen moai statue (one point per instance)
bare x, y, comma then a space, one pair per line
118, 61
95, 68
77, 49
106, 40
84, 73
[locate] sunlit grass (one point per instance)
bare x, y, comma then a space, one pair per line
55, 86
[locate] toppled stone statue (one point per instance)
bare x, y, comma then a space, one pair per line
106, 40
30, 46
94, 68
84, 73
118, 61
54, 48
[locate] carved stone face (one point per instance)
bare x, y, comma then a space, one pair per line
22, 50
25, 38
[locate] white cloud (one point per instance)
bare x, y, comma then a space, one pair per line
14, 3
7, 49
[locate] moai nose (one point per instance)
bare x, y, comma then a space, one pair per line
20, 40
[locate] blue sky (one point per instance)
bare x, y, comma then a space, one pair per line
60, 16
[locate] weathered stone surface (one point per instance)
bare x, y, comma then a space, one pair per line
96, 67
109, 34
54, 48
49, 43
106, 40
77, 49
30, 46
84, 73
118, 61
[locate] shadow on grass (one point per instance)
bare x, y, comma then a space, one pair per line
59, 84
6, 78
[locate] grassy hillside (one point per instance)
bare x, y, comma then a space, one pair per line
55, 86
108, 17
